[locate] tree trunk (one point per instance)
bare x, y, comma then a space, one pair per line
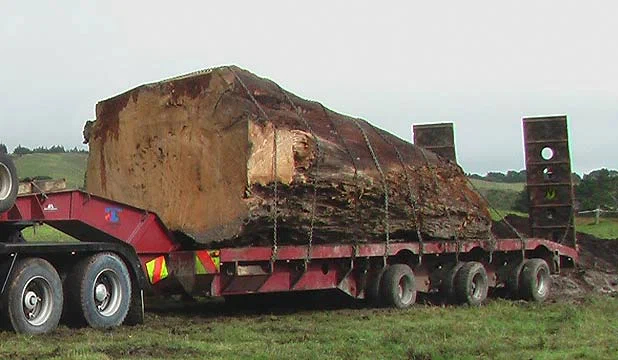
218, 153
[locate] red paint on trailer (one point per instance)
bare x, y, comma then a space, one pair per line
92, 218
373, 250
85, 217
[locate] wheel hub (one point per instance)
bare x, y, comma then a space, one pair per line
101, 292
107, 292
31, 300
37, 301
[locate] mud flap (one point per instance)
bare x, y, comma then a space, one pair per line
136, 309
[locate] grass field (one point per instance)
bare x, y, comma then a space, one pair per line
500, 330
498, 195
69, 166
606, 229
45, 233
498, 214
490, 185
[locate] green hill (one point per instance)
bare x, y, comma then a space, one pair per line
490, 185
499, 195
69, 166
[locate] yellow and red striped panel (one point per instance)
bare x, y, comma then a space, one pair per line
207, 262
157, 269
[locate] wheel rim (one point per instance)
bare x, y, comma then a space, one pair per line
477, 288
6, 182
405, 290
37, 302
107, 292
541, 282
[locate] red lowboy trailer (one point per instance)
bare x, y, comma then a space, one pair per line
124, 252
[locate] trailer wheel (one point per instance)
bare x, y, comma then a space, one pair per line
471, 284
399, 286
513, 280
101, 289
9, 183
448, 283
373, 290
32, 301
535, 280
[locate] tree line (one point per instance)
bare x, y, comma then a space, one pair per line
512, 177
597, 189
55, 149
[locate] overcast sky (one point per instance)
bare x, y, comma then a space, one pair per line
481, 64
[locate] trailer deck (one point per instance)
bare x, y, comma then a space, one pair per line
104, 225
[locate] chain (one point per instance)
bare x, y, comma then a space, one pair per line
274, 211
413, 201
567, 230
355, 179
448, 213
512, 228
316, 174
503, 219
384, 185
522, 240
491, 238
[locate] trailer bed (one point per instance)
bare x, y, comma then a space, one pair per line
166, 267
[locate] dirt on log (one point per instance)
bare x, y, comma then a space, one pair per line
217, 153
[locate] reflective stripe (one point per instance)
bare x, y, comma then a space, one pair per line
199, 267
206, 262
157, 269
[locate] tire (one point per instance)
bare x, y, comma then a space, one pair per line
399, 286
33, 299
513, 280
100, 288
9, 183
373, 290
471, 284
535, 280
447, 288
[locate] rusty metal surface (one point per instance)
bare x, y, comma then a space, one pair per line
437, 138
549, 183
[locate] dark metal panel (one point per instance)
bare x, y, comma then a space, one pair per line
549, 183
437, 138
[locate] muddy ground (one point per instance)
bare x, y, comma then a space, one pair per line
596, 272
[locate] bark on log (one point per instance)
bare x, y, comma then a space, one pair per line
200, 151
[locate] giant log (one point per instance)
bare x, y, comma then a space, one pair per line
231, 159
